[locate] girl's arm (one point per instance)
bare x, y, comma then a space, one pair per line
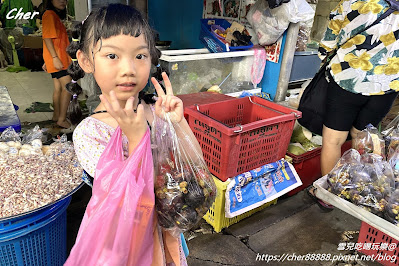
50, 46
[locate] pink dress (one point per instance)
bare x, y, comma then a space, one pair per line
90, 138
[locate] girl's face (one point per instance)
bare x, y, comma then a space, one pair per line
122, 63
59, 4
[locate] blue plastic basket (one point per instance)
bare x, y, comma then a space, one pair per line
213, 43
35, 239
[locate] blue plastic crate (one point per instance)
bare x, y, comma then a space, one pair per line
213, 43
39, 242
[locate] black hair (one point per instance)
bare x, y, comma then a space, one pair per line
103, 23
61, 13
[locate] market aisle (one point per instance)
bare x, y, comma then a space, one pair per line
27, 87
294, 225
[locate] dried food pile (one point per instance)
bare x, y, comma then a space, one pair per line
33, 175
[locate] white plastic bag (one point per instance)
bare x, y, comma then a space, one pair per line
270, 24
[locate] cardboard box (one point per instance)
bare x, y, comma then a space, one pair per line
34, 42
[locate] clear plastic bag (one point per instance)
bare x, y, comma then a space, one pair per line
369, 140
392, 209
365, 180
269, 24
9, 134
184, 188
33, 136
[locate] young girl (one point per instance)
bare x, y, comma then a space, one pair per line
117, 46
56, 59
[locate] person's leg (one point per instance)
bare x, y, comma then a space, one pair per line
354, 131
331, 148
64, 100
56, 99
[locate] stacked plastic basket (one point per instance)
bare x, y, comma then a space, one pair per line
37, 238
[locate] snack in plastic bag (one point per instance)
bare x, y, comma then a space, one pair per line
369, 140
184, 188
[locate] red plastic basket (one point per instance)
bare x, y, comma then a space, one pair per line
241, 134
369, 234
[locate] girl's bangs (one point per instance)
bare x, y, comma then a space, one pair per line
126, 21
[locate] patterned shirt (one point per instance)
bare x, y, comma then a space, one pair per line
366, 62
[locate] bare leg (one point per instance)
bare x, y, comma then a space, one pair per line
354, 132
64, 100
331, 149
56, 98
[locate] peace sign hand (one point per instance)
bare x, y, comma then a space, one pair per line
132, 123
167, 103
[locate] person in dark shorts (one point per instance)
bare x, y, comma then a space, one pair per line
363, 74
56, 60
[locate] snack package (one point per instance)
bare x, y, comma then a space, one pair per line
369, 140
366, 180
184, 188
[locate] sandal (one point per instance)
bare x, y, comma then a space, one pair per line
322, 205
68, 130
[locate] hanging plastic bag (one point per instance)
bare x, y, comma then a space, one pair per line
117, 227
184, 188
258, 66
269, 24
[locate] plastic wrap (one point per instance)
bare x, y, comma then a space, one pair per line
32, 135
270, 24
392, 209
366, 180
184, 188
369, 140
9, 134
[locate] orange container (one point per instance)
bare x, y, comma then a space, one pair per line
241, 134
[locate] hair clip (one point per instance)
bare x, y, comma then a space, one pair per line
75, 96
73, 81
158, 65
83, 21
75, 40
74, 59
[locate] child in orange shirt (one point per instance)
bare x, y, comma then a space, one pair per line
56, 59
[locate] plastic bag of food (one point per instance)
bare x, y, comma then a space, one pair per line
369, 140
338, 179
9, 134
392, 208
393, 160
33, 136
365, 180
184, 188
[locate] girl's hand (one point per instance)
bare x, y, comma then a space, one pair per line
134, 125
44, 67
167, 103
57, 63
